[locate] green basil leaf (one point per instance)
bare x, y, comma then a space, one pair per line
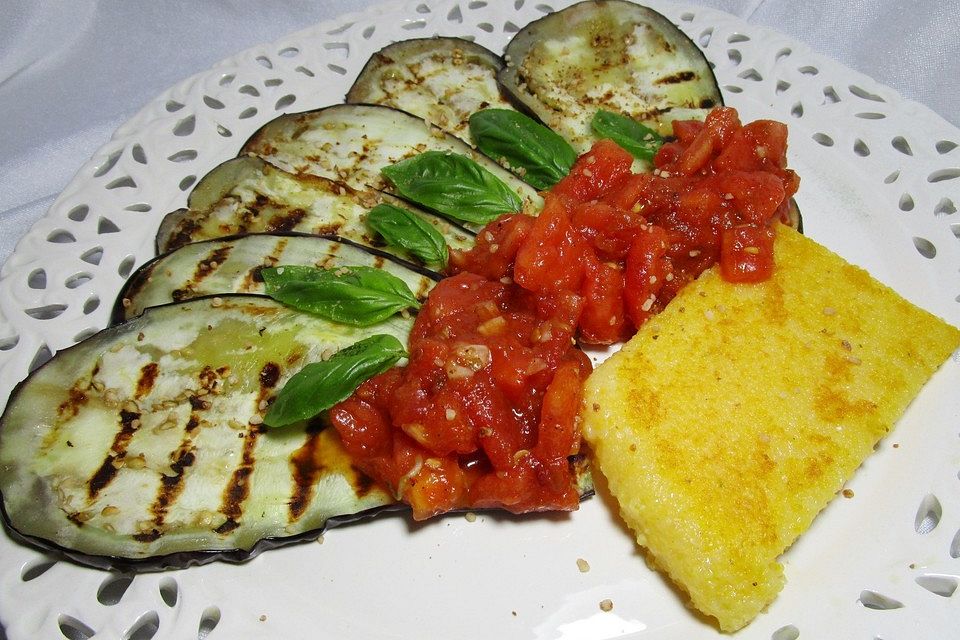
509, 136
320, 385
642, 142
453, 185
405, 229
358, 296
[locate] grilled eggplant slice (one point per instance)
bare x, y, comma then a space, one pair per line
607, 54
232, 265
248, 195
142, 446
352, 142
442, 80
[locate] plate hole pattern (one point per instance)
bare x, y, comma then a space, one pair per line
943, 586
46, 312
37, 279
113, 588
945, 207
35, 569
169, 591
930, 511
877, 601
208, 622
40, 357
73, 629
145, 628
788, 632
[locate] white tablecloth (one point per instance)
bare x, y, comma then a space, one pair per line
72, 71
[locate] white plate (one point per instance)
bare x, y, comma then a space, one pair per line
880, 185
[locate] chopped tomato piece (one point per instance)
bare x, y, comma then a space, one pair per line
596, 172
645, 274
552, 257
604, 318
746, 254
495, 249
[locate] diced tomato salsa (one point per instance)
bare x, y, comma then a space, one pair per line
485, 414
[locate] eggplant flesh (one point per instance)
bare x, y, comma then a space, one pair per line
442, 80
233, 265
247, 195
352, 142
145, 441
608, 54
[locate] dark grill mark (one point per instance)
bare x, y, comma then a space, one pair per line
70, 407
129, 423
676, 78
172, 486
237, 490
179, 295
148, 376
707, 103
362, 483
183, 234
210, 264
269, 375
149, 536
305, 466
287, 221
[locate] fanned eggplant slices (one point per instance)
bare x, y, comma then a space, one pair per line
285, 292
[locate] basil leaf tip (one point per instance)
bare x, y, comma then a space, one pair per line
454, 186
534, 152
405, 229
320, 385
641, 141
357, 296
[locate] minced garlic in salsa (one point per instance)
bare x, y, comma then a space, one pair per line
485, 414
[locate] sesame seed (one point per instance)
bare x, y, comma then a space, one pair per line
470, 516
451, 414
255, 420
606, 605
494, 248
217, 302
648, 303
582, 565
669, 277
653, 279
694, 253
588, 173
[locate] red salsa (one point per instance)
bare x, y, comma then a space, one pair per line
485, 414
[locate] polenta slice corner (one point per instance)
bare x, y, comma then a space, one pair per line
731, 419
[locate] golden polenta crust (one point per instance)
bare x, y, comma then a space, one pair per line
731, 419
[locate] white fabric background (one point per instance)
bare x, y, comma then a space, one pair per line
72, 71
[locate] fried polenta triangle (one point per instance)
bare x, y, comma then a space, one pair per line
731, 419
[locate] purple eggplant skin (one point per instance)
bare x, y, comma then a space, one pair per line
184, 559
